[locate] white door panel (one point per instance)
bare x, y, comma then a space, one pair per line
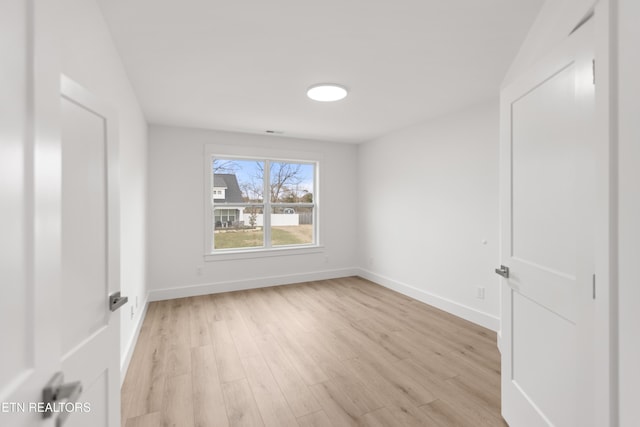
90, 272
543, 223
84, 227
540, 371
547, 170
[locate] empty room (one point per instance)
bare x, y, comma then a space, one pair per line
346, 213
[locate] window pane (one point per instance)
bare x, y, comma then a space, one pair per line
242, 194
291, 226
237, 181
291, 182
238, 228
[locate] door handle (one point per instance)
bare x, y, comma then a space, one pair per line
55, 391
116, 301
503, 271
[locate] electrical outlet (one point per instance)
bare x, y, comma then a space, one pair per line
199, 270
480, 293
132, 312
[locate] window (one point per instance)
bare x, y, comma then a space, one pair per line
261, 204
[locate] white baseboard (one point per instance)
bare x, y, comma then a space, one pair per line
131, 345
471, 314
240, 285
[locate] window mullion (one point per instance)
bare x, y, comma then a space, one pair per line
266, 217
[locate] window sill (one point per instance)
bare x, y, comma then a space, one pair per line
262, 253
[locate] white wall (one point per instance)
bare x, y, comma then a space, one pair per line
629, 209
444, 173
176, 215
89, 57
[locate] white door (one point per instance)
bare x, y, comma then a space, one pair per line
59, 227
547, 182
90, 257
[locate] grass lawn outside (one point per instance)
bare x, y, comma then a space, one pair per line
280, 236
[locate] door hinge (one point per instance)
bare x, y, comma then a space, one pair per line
593, 281
593, 68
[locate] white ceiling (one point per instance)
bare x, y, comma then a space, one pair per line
245, 65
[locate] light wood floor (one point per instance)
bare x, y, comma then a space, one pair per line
330, 353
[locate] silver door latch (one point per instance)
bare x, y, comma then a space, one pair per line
55, 392
116, 301
503, 271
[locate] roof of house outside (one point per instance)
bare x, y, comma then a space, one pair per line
230, 183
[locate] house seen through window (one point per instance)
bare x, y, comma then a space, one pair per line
262, 203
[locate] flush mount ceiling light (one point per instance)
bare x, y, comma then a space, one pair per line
327, 92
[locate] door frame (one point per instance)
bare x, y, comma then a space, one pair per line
605, 233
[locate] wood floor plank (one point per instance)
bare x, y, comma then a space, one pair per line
339, 408
177, 403
341, 375
472, 389
340, 348
456, 392
340, 352
292, 385
316, 419
299, 358
394, 416
178, 353
144, 385
229, 365
330, 320
380, 418
242, 338
302, 298
161, 320
366, 344
241, 405
412, 417
446, 415
464, 365
148, 420
208, 401
283, 310
273, 406
147, 328
385, 339
213, 313
225, 307
405, 393
198, 323
261, 315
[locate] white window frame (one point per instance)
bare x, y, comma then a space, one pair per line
259, 154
